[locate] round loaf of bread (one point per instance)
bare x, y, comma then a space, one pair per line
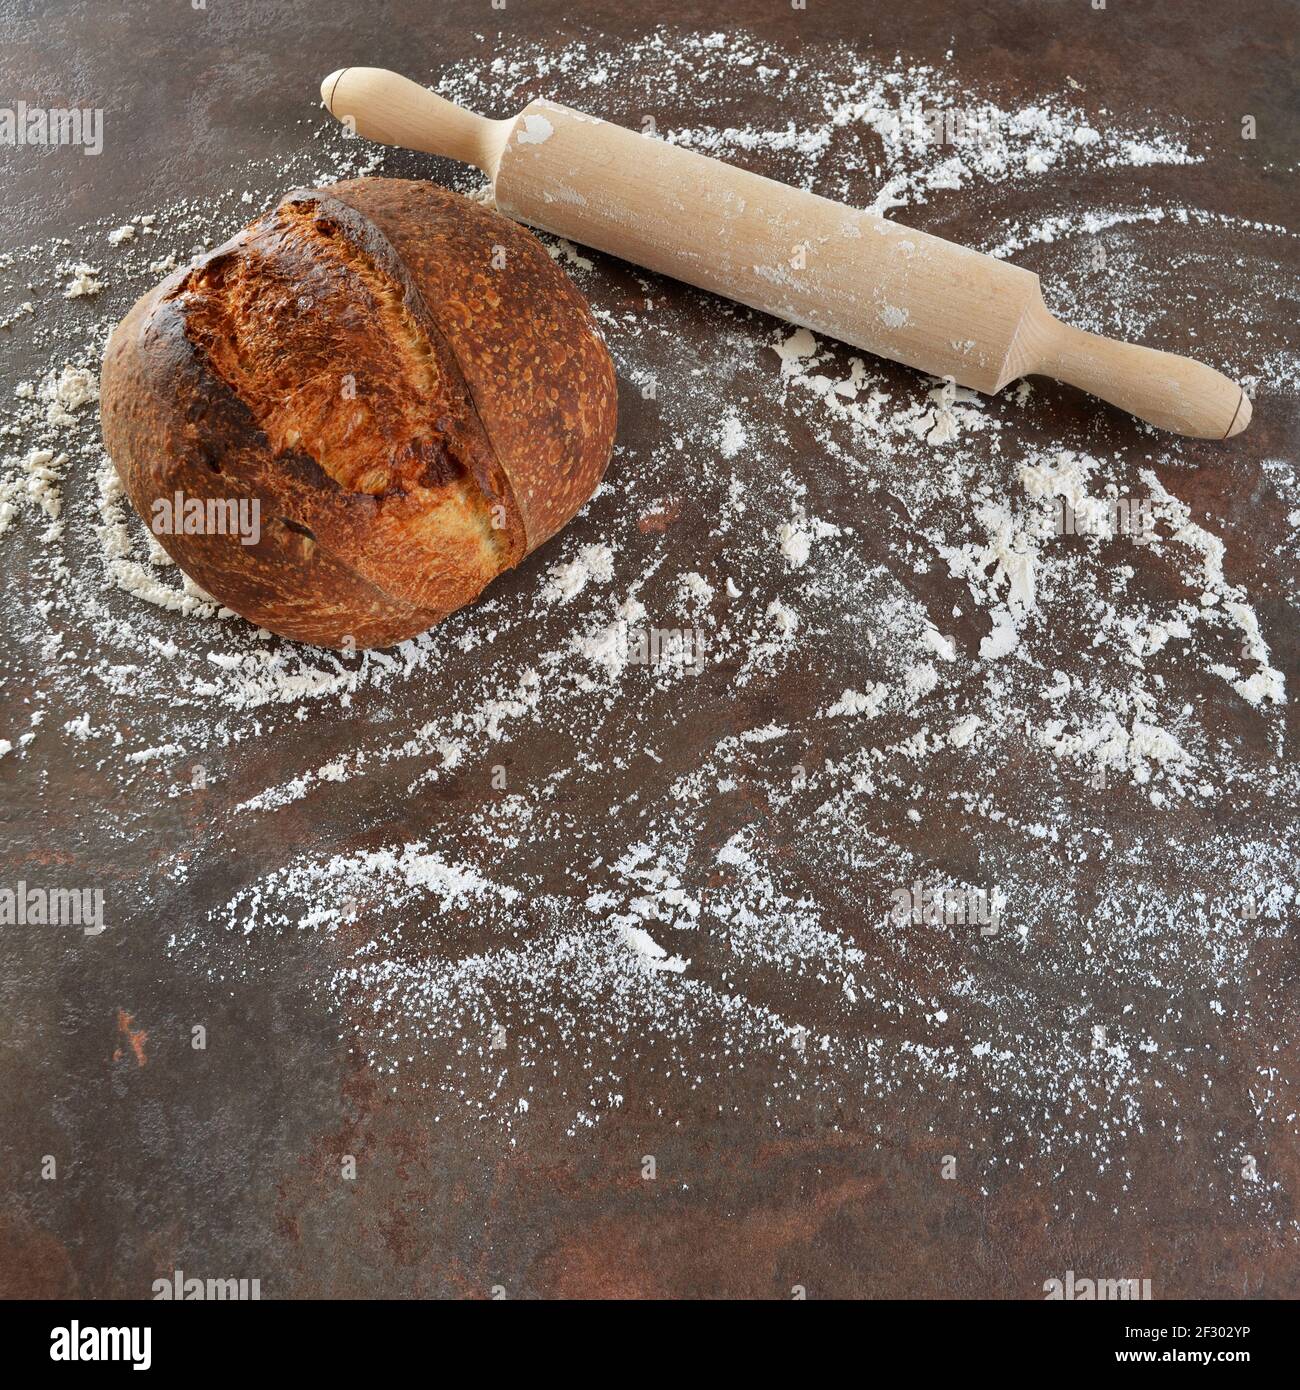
398, 383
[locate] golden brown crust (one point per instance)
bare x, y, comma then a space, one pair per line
170, 426
546, 391
375, 395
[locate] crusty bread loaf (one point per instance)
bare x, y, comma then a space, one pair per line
409, 388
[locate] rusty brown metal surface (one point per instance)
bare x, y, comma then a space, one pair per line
226, 1161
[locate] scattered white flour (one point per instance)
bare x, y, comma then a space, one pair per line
732, 438
567, 580
946, 427
964, 730
632, 869
697, 592
68, 392
84, 283
651, 955
796, 545
566, 251
854, 702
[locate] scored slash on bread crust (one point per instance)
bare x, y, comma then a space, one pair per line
409, 388
315, 328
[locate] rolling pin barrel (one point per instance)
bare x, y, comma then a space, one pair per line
848, 274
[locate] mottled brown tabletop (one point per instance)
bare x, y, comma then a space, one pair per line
507, 964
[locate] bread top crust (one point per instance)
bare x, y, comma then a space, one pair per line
303, 365
548, 396
171, 426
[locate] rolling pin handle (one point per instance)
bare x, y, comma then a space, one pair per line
1175, 393
384, 106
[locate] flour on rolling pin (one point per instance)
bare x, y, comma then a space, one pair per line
850, 274
817, 263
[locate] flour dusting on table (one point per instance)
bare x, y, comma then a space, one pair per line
887, 645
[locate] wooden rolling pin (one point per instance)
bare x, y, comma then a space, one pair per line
848, 274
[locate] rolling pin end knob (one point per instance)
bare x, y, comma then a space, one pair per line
327, 89
1242, 418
